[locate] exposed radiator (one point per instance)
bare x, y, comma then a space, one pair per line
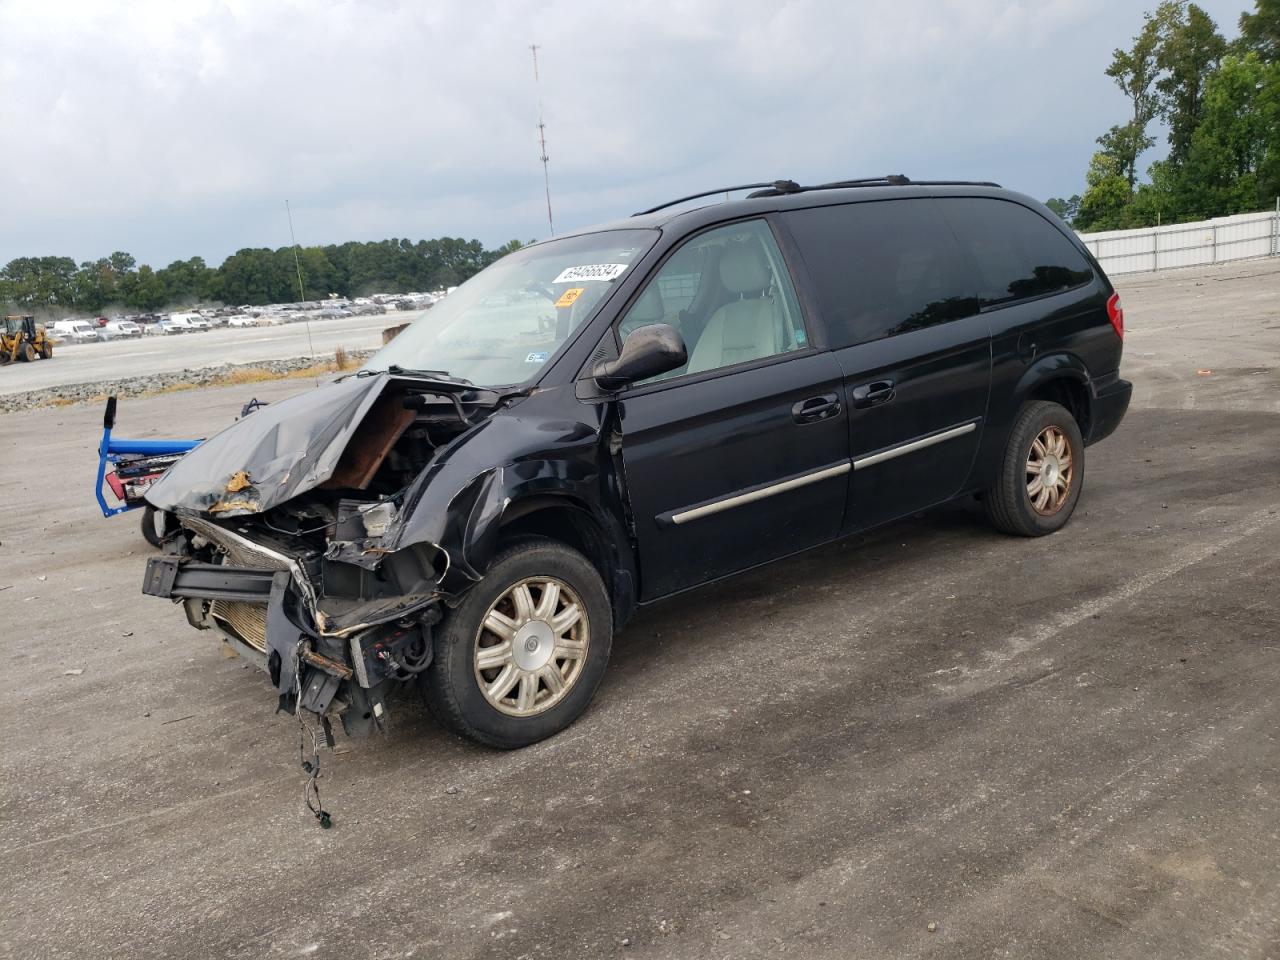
248, 621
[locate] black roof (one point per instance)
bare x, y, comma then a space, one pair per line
787, 195
779, 188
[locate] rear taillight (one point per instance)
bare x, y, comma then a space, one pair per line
1115, 313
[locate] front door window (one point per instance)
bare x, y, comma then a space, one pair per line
729, 294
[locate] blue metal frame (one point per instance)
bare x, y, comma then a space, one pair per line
110, 450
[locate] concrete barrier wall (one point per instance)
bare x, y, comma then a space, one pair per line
1244, 236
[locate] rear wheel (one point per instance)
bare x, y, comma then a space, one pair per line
46, 350
520, 658
1041, 474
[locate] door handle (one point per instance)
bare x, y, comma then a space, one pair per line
873, 394
816, 408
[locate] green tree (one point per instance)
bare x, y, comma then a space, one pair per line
40, 281
1189, 49
146, 291
1135, 71
187, 281
1260, 31
254, 276
1106, 196
1232, 163
511, 246
122, 263
1066, 209
249, 276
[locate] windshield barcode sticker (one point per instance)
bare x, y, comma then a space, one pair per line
591, 271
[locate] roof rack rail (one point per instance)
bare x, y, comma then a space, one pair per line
780, 188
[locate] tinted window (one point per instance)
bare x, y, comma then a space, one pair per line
729, 294
882, 268
1015, 251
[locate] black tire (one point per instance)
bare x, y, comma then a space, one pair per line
1008, 504
155, 523
27, 352
46, 351
450, 685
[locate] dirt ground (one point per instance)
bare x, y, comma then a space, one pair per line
930, 741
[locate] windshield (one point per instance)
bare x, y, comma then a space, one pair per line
504, 324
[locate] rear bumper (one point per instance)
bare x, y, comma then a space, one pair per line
1111, 397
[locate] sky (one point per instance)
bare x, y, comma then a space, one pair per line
174, 128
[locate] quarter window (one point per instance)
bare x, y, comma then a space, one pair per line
1016, 252
882, 268
729, 294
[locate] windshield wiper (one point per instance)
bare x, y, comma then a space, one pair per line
441, 376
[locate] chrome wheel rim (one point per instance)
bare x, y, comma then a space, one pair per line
1050, 471
531, 647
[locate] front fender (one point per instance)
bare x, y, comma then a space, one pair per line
459, 502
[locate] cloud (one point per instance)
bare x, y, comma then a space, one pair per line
172, 129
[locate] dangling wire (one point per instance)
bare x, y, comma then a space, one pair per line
312, 767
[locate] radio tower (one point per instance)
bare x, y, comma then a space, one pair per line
542, 138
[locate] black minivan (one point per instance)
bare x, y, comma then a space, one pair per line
604, 419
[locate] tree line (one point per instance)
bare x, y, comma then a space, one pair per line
1220, 104
252, 276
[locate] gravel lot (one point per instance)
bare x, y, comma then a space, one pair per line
149, 355
1065, 747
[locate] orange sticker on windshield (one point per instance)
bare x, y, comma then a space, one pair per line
570, 295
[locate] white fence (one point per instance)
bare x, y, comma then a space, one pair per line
1244, 236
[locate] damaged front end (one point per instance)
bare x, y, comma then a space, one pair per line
305, 543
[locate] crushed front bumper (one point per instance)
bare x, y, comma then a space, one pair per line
265, 615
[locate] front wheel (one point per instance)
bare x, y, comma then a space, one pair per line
1041, 474
156, 525
521, 656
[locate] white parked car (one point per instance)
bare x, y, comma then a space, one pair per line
166, 326
189, 321
119, 330
75, 331
242, 320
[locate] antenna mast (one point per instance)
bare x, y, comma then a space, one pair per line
542, 138
302, 296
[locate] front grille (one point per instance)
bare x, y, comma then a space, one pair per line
248, 621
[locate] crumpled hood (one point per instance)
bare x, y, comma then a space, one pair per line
273, 455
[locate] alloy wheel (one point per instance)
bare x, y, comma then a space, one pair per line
531, 646
1049, 471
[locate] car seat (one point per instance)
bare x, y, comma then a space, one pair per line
747, 328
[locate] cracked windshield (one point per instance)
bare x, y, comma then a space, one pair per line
502, 326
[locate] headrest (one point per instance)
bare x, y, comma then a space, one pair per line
743, 270
649, 308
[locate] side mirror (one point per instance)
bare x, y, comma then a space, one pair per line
648, 351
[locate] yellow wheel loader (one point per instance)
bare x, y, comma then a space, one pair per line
21, 338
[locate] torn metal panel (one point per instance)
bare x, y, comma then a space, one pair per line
283, 450
459, 500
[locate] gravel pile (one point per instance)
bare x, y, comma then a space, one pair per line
136, 386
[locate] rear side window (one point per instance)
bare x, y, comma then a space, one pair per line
882, 268
1015, 252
